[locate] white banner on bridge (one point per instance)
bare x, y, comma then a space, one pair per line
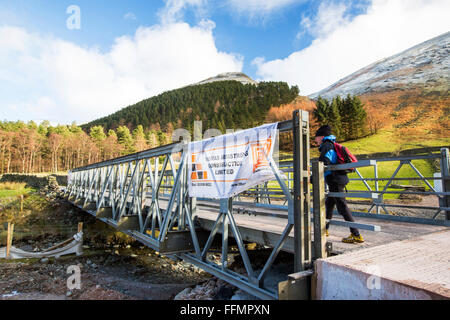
222, 167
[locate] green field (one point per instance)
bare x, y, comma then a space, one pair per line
387, 169
387, 142
13, 189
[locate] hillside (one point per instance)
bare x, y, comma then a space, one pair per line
423, 67
406, 95
218, 102
400, 125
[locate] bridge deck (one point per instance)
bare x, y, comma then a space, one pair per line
267, 226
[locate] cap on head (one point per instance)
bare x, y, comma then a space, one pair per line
323, 131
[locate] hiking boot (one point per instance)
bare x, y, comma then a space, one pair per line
353, 239
358, 239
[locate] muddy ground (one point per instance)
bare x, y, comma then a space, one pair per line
113, 266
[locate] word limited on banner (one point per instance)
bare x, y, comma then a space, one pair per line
224, 166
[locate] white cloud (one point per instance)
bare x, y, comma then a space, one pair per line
174, 9
130, 16
255, 8
63, 82
344, 45
329, 17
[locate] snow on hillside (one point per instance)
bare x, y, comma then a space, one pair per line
228, 76
423, 66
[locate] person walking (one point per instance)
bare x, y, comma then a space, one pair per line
336, 181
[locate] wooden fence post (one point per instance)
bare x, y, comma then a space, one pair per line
9, 239
80, 247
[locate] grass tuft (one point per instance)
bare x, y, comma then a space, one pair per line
12, 186
11, 189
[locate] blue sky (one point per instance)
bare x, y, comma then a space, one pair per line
272, 35
126, 51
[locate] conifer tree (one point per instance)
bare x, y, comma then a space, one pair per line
322, 111
161, 137
353, 118
359, 117
125, 139
112, 133
97, 134
346, 117
334, 118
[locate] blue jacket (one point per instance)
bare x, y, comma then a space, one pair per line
329, 156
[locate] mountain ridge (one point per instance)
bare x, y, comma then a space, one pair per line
229, 76
425, 65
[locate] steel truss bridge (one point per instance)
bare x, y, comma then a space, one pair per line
145, 196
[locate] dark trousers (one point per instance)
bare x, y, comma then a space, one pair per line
341, 205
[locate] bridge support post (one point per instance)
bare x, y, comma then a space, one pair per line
319, 210
302, 214
297, 287
198, 135
226, 208
445, 175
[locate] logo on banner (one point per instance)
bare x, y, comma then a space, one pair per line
260, 152
197, 170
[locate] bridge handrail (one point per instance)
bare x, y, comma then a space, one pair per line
158, 151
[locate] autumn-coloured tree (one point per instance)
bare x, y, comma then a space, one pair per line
376, 118
140, 142
152, 139
98, 137
55, 142
285, 111
30, 148
112, 148
6, 139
